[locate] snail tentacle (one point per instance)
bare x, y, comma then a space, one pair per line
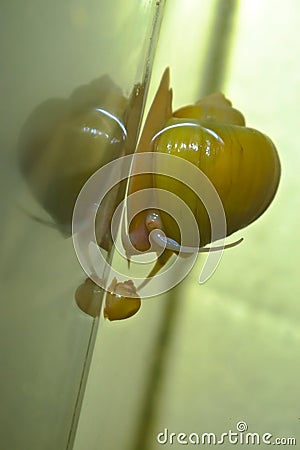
162, 240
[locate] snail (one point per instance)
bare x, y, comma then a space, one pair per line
242, 164
121, 300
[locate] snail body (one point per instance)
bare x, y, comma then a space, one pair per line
241, 163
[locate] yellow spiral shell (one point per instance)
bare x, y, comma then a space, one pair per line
242, 163
122, 300
65, 141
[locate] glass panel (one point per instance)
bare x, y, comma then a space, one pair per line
52, 52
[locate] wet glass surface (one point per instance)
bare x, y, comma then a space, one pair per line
69, 68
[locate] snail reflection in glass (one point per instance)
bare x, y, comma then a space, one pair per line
62, 143
240, 162
65, 140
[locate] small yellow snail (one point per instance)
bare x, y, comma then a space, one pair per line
121, 301
242, 164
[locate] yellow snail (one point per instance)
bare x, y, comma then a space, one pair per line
121, 300
242, 164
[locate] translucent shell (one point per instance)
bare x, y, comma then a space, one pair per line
242, 164
122, 300
64, 141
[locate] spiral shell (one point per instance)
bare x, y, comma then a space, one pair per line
241, 162
122, 300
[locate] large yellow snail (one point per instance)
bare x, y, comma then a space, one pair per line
242, 164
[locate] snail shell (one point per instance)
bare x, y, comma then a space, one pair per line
241, 162
122, 300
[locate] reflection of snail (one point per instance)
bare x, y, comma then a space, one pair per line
64, 141
241, 162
